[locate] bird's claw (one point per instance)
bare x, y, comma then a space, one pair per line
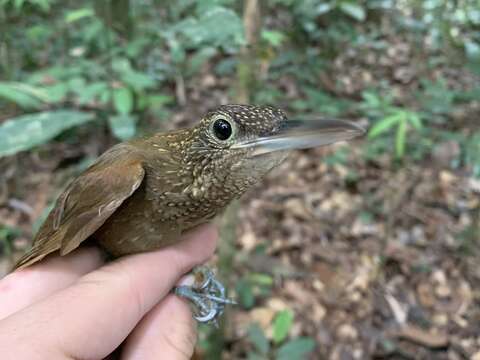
207, 294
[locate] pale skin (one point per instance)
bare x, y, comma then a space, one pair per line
77, 307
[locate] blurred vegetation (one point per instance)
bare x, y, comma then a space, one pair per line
117, 63
125, 67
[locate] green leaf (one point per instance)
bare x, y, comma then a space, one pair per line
177, 51
56, 92
274, 38
218, 26
258, 339
24, 132
105, 96
91, 91
372, 99
137, 80
122, 126
415, 120
296, 349
76, 15
77, 84
281, 325
261, 279
385, 124
121, 65
245, 293
353, 10
472, 49
401, 139
24, 95
323, 8
159, 100
123, 100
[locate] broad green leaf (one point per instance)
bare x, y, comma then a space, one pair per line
92, 91
177, 51
76, 15
261, 279
353, 10
56, 92
296, 349
400, 139
281, 325
218, 26
258, 339
122, 126
385, 124
323, 8
77, 84
372, 99
121, 65
19, 98
24, 95
24, 132
472, 49
274, 38
105, 97
245, 294
137, 80
123, 100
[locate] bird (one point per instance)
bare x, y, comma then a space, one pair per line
143, 194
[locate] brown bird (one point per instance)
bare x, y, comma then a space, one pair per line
143, 194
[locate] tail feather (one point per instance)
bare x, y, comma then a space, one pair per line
39, 250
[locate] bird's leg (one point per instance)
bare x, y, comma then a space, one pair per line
207, 294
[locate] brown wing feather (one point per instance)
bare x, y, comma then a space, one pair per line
87, 203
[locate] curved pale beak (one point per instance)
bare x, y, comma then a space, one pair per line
303, 134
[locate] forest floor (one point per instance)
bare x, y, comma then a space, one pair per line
376, 260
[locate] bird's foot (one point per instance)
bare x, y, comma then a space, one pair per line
207, 294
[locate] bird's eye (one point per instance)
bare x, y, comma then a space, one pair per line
222, 129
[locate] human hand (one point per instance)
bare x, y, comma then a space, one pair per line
74, 307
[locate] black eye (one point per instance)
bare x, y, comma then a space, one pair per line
222, 129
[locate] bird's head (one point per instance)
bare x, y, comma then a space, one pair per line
234, 146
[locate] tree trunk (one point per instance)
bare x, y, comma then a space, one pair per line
247, 69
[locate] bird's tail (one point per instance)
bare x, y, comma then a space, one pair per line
39, 250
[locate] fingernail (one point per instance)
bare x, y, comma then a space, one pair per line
187, 280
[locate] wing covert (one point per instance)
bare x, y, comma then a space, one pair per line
87, 203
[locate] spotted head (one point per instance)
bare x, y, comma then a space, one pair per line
234, 146
231, 124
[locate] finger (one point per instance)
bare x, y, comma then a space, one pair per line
27, 286
97, 313
167, 332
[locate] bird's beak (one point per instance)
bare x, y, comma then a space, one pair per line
303, 134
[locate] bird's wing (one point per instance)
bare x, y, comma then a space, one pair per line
87, 203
